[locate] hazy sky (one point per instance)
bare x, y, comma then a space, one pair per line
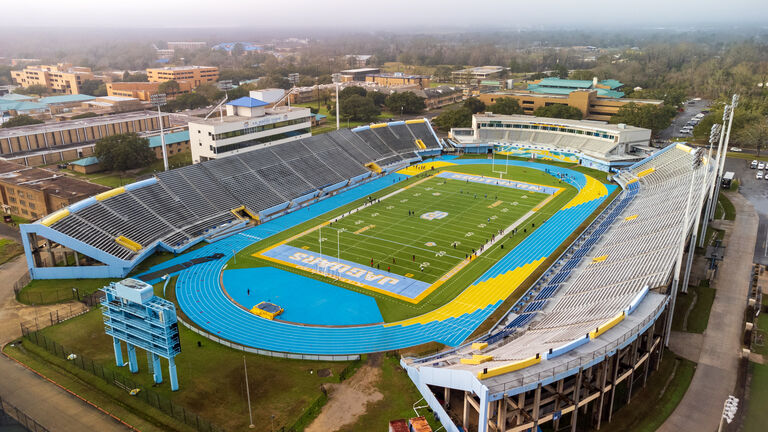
260, 14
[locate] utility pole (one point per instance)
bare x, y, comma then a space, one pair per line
248, 393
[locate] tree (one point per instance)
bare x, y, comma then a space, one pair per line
137, 77
454, 118
84, 115
506, 105
443, 73
21, 120
405, 103
186, 101
559, 71
91, 87
123, 152
210, 92
169, 87
378, 98
581, 75
358, 108
351, 91
654, 117
474, 105
754, 135
35, 89
559, 111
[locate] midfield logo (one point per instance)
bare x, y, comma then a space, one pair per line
434, 215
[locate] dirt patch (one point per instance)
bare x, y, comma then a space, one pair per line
323, 373
349, 400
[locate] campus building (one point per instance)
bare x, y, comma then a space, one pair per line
143, 91
398, 79
48, 143
475, 74
62, 78
32, 193
249, 124
358, 74
588, 101
186, 45
197, 75
558, 86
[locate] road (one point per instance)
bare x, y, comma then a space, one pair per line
715, 376
673, 131
49, 405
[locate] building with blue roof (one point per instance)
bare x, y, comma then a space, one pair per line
16, 97
66, 99
251, 122
175, 143
597, 100
86, 165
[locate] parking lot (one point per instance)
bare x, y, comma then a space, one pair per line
756, 191
689, 111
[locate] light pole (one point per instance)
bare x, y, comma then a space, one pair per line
721, 162
337, 80
159, 99
248, 393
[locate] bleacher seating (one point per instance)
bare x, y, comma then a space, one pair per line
188, 202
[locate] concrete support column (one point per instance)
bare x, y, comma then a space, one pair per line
465, 415
172, 374
157, 369
616, 365
576, 399
483, 413
133, 365
118, 352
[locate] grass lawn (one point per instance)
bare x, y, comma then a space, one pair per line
725, 209
17, 220
650, 407
49, 291
746, 156
761, 347
393, 309
399, 396
698, 317
114, 179
756, 416
211, 377
9, 249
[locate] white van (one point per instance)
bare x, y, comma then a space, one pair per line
753, 165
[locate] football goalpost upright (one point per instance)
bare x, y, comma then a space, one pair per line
499, 171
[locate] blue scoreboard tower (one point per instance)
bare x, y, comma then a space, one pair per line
134, 315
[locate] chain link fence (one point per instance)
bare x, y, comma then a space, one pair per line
7, 409
111, 377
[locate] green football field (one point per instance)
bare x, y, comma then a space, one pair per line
424, 231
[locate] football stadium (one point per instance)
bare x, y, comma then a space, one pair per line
539, 259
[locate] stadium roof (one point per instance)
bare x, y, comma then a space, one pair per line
170, 138
66, 99
247, 102
15, 97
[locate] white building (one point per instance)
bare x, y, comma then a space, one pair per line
248, 125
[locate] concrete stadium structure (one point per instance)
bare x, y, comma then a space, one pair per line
593, 144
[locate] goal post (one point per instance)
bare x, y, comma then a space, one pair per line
494, 168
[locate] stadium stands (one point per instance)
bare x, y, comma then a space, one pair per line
178, 206
632, 246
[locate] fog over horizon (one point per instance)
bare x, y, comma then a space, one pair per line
410, 16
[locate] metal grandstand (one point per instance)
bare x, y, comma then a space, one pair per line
112, 232
593, 320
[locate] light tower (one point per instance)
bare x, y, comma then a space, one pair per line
134, 315
159, 99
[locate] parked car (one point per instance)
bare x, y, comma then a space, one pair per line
761, 165
735, 149
759, 175
753, 165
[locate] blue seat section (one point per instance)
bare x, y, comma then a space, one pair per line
202, 298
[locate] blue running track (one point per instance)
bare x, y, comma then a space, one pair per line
202, 298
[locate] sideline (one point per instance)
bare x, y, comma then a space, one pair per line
717, 369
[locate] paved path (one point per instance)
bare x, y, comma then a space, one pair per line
49, 405
715, 376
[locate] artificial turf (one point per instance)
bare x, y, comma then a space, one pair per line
393, 309
401, 234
